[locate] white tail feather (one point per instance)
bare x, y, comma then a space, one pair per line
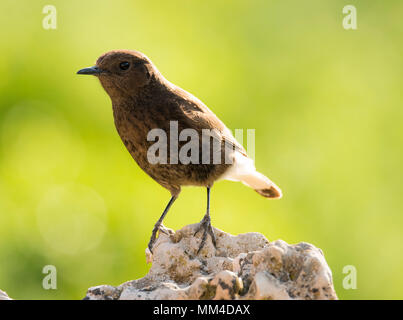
262, 185
244, 170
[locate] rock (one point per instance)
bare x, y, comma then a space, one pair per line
4, 296
246, 266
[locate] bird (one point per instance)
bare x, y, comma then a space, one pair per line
143, 100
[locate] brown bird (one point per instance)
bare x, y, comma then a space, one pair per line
143, 100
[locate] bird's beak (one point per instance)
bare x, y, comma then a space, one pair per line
91, 70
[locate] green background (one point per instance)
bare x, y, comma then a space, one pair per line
326, 104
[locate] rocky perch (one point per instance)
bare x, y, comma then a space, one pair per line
246, 266
4, 296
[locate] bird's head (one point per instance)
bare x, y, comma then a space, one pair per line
122, 72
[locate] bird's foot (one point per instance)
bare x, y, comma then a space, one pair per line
157, 228
205, 225
165, 230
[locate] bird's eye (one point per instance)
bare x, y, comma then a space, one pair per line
124, 65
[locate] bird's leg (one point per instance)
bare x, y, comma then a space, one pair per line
205, 224
159, 226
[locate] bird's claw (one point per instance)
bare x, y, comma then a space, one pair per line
205, 224
165, 230
157, 228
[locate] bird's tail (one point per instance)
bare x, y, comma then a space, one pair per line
262, 185
244, 170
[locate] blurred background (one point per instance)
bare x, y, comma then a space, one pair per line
326, 104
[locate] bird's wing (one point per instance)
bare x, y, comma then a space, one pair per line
199, 116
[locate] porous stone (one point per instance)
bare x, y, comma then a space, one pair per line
246, 266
